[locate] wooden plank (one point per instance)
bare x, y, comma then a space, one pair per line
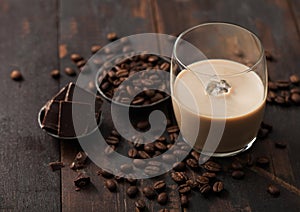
85, 23
27, 184
273, 22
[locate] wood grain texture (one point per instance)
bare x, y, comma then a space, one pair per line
275, 25
27, 184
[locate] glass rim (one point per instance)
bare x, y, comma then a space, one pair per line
249, 69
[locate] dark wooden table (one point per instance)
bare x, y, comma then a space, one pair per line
38, 36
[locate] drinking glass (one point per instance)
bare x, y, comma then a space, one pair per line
218, 87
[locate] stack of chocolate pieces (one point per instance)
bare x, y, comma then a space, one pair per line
58, 118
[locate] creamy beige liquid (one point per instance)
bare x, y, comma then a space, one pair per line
239, 112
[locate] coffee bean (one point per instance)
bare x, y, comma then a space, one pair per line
168, 158
140, 204
112, 36
279, 100
126, 167
280, 144
209, 174
149, 93
105, 173
212, 166
273, 190
132, 191
132, 153
179, 166
152, 58
55, 73
95, 48
139, 163
111, 185
263, 133
149, 148
266, 126
80, 63
69, 71
192, 183
154, 163
162, 198
184, 189
179, 177
79, 161
143, 155
131, 180
249, 160
192, 163
202, 180
112, 140
218, 186
294, 78
173, 129
184, 201
160, 146
295, 90
109, 150
236, 165
152, 170
16, 75
238, 174
295, 97
180, 153
149, 192
282, 84
272, 85
159, 186
82, 180
262, 161
204, 189
195, 155
157, 97
143, 125
76, 57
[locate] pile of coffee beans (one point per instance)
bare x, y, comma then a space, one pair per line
111, 80
284, 92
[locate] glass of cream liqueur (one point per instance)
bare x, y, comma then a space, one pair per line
218, 87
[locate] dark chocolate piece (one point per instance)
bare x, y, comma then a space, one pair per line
50, 121
61, 94
66, 120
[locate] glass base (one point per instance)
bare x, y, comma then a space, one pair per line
228, 154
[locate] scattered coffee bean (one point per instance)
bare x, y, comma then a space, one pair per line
179, 177
109, 150
295, 79
126, 168
152, 170
139, 163
192, 163
209, 174
282, 84
159, 186
236, 165
16, 75
57, 165
80, 63
204, 189
218, 186
76, 57
132, 153
160, 146
173, 129
82, 180
212, 166
131, 181
149, 192
105, 173
280, 144
273, 190
132, 191
272, 85
179, 166
95, 48
238, 174
264, 125
111, 185
70, 71
143, 154
162, 198
168, 158
202, 180
112, 36
295, 97
55, 73
195, 155
149, 148
269, 55
184, 201
262, 161
140, 204
112, 140
192, 183
295, 90
184, 189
